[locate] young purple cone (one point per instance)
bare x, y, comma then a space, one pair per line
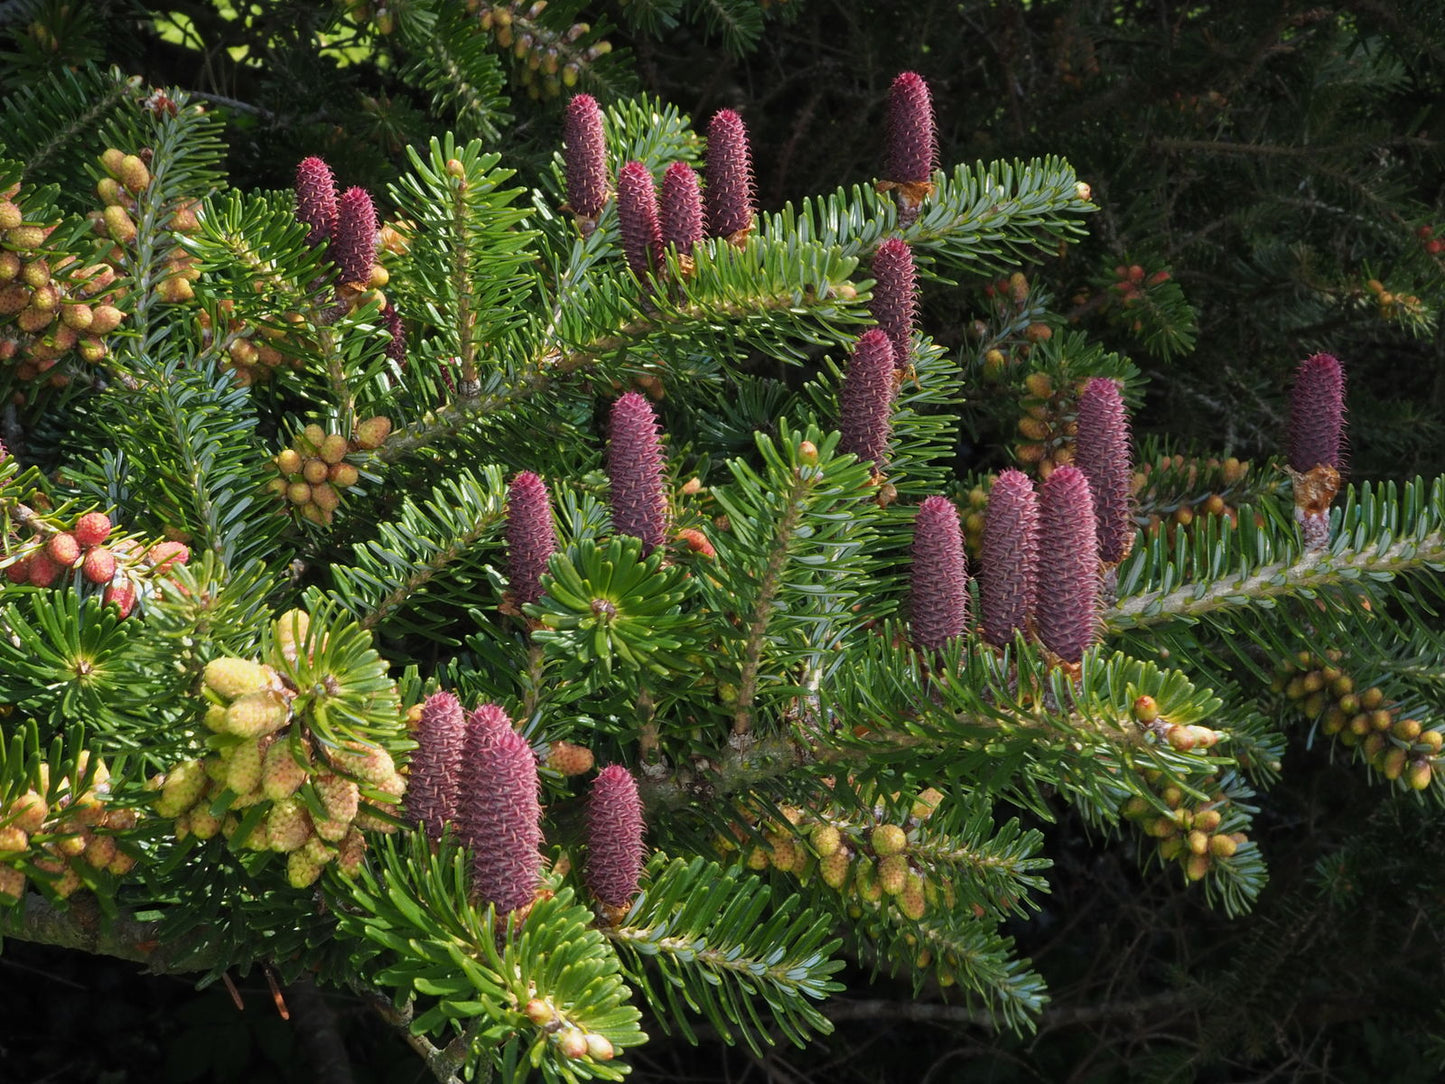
531, 537
499, 815
585, 155
1317, 414
637, 218
866, 399
1066, 609
396, 349
353, 247
1316, 444
940, 575
1101, 451
1010, 553
614, 837
895, 296
431, 790
634, 467
912, 145
728, 195
316, 199
681, 208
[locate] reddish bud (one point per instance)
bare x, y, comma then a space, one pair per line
1317, 414
163, 555
615, 828
99, 565
865, 400
1101, 451
1066, 610
431, 790
1010, 554
531, 537
728, 195
499, 815
63, 549
92, 529
940, 575
637, 218
585, 155
895, 296
353, 246
120, 594
912, 146
19, 571
681, 207
316, 198
635, 466
43, 569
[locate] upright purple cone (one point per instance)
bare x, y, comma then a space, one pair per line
1101, 451
615, 829
1010, 554
912, 149
1317, 414
431, 790
681, 208
585, 155
895, 296
316, 198
1066, 611
728, 196
1316, 445
865, 402
635, 470
531, 537
499, 815
939, 583
353, 247
637, 218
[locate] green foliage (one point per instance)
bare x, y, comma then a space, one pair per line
755, 672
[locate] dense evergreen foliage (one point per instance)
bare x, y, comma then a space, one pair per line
957, 571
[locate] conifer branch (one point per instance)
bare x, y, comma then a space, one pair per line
763, 604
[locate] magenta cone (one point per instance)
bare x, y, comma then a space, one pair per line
1101, 451
635, 469
499, 815
1010, 554
615, 829
1066, 611
531, 537
939, 609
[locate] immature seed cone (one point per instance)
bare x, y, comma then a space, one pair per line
396, 349
940, 576
431, 792
1317, 414
316, 198
353, 245
912, 146
895, 296
866, 398
637, 218
531, 538
614, 837
1101, 451
499, 816
681, 208
634, 466
1066, 611
1010, 557
585, 154
728, 196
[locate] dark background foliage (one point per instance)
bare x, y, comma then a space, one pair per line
1281, 162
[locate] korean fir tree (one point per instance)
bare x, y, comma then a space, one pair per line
476, 595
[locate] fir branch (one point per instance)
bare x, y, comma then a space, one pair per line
763, 602
1377, 536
